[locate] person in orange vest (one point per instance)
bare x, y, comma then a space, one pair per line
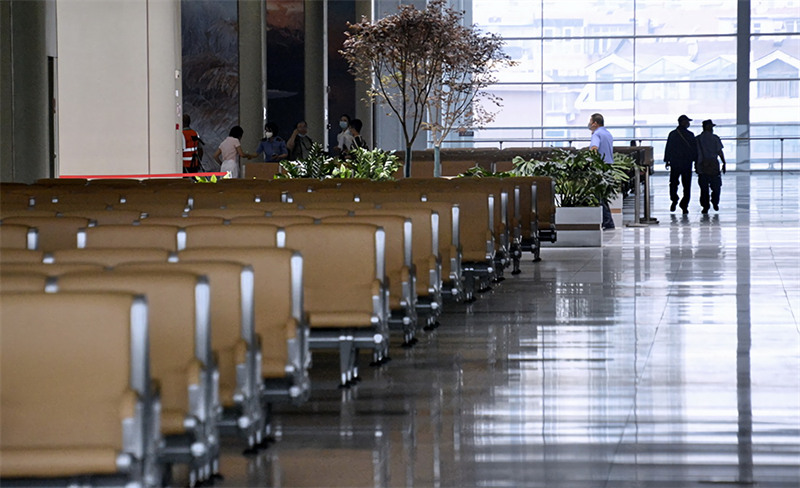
192, 148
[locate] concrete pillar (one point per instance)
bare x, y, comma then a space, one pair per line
316, 80
363, 111
24, 92
252, 71
743, 86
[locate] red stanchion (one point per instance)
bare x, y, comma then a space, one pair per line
218, 174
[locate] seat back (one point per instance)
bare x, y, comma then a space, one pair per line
244, 235
180, 334
232, 311
425, 240
476, 215
279, 312
341, 264
398, 232
317, 213
18, 236
449, 241
215, 198
54, 232
48, 269
21, 280
280, 221
104, 216
11, 255
167, 237
182, 222
109, 256
59, 392
229, 213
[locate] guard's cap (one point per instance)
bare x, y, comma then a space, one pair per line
684, 117
709, 123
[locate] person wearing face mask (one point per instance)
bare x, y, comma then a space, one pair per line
272, 148
344, 139
299, 144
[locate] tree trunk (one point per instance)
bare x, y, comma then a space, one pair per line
407, 166
437, 161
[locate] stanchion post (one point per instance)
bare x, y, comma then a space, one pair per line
647, 219
637, 195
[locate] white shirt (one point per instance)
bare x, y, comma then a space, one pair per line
229, 149
344, 138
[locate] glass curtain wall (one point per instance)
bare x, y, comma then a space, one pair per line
642, 63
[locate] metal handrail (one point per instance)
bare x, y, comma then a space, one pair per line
640, 140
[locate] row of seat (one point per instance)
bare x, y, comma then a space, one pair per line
415, 245
208, 382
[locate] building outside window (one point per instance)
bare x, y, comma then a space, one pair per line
642, 63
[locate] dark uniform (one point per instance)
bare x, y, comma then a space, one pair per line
679, 154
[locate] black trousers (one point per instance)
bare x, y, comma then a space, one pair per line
682, 176
709, 182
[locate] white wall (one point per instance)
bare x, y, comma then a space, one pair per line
117, 109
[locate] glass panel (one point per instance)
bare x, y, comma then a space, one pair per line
691, 58
774, 101
522, 105
682, 17
662, 103
578, 18
573, 60
509, 18
769, 16
775, 57
528, 55
568, 105
768, 151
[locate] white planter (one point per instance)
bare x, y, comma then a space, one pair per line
616, 210
578, 227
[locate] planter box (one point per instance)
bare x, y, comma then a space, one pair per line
615, 206
578, 227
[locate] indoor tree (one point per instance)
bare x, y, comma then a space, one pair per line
427, 68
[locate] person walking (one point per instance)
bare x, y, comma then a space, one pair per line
603, 143
709, 147
679, 154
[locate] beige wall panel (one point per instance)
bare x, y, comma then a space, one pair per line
116, 84
165, 60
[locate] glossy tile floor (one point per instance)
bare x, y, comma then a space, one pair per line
668, 358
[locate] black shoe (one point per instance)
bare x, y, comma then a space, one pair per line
716, 207
672, 207
705, 211
685, 211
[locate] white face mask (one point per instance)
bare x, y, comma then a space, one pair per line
343, 124
268, 135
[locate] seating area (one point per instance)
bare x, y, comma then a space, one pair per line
232, 296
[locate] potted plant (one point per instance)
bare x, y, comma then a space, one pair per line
317, 165
375, 165
583, 182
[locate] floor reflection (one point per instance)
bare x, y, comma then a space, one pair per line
668, 358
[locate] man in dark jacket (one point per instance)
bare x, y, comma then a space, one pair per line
679, 154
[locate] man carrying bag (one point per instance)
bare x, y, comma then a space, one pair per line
709, 146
